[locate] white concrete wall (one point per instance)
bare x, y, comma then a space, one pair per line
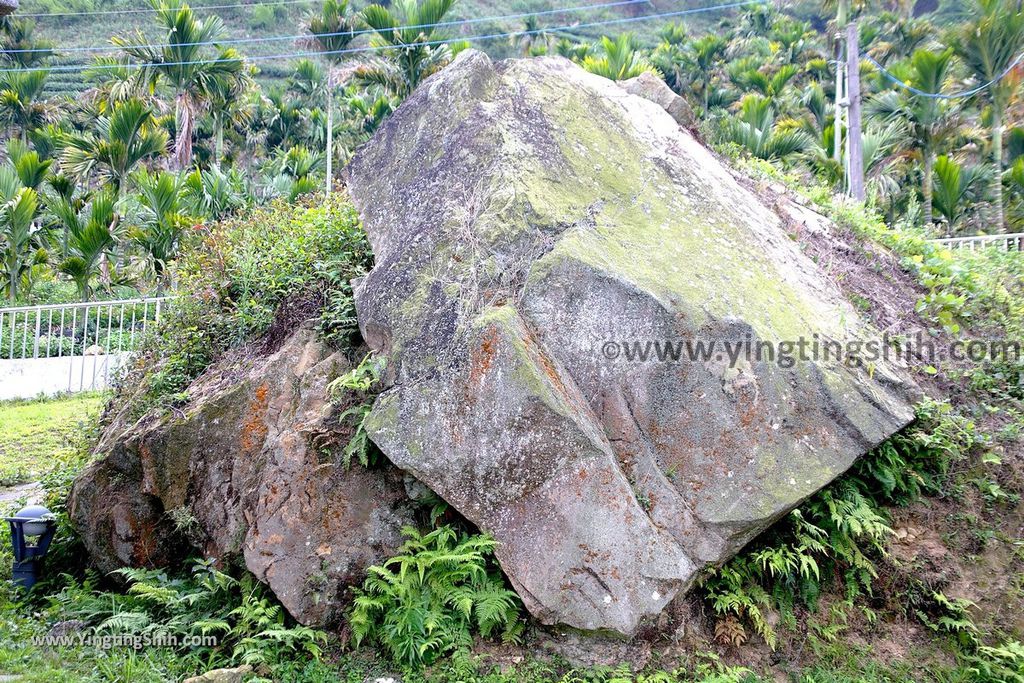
32, 377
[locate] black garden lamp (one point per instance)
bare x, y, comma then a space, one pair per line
31, 532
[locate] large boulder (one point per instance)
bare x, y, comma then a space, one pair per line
247, 471
530, 222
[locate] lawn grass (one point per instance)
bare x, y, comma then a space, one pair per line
35, 433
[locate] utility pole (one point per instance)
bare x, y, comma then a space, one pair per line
840, 104
853, 94
840, 107
330, 130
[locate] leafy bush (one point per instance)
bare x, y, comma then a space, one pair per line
266, 16
249, 264
428, 600
235, 275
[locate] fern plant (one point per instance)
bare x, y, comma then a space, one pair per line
842, 528
915, 461
249, 627
361, 379
429, 600
953, 618
260, 632
1003, 663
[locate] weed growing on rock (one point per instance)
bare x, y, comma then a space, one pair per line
364, 380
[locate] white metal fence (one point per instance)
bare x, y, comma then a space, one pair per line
1008, 242
70, 347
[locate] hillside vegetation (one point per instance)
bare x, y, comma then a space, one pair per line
178, 127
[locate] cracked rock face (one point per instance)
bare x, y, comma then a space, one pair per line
528, 219
247, 471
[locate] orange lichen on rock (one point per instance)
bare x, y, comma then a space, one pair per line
483, 357
254, 430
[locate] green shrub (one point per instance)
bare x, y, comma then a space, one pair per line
235, 275
265, 16
251, 263
428, 601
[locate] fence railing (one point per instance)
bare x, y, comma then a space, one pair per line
91, 339
1008, 242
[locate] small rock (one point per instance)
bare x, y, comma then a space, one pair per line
651, 87
222, 675
94, 350
416, 489
63, 629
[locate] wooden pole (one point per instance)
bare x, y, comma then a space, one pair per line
853, 123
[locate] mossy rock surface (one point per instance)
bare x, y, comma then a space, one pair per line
526, 217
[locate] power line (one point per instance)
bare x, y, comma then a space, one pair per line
940, 96
147, 10
269, 39
373, 48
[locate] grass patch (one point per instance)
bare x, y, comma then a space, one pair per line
33, 434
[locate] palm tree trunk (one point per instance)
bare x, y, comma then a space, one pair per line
997, 163
330, 134
117, 249
218, 140
926, 189
183, 117
105, 278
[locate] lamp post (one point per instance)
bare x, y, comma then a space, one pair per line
32, 530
